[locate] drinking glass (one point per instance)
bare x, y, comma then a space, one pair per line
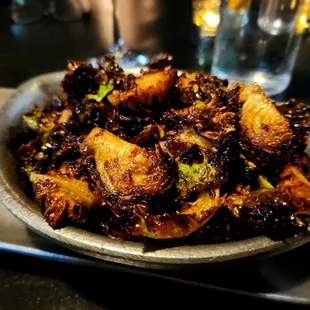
26, 11
66, 10
259, 42
123, 55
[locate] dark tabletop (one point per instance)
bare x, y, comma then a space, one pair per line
45, 46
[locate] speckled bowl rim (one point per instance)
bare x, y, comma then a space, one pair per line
38, 90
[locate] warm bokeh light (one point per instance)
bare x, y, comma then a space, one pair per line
212, 19
239, 5
207, 16
303, 17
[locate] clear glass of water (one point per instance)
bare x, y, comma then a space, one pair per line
259, 42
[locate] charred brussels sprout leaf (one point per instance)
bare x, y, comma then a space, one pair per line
32, 120
264, 183
189, 151
298, 115
268, 209
298, 185
151, 89
81, 79
194, 177
192, 216
103, 90
189, 135
150, 133
198, 85
64, 197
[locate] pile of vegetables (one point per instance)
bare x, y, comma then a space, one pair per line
166, 155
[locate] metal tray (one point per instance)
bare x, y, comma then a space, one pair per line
38, 91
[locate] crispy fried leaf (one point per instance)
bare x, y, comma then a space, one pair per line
194, 177
150, 134
62, 196
298, 185
268, 209
177, 225
103, 90
126, 169
150, 89
262, 124
188, 150
32, 120
264, 183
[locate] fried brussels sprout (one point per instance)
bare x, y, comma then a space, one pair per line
263, 127
298, 186
81, 79
103, 90
194, 177
188, 87
191, 217
268, 209
189, 151
198, 86
43, 122
32, 120
298, 115
151, 89
62, 197
209, 117
127, 170
178, 141
43, 126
